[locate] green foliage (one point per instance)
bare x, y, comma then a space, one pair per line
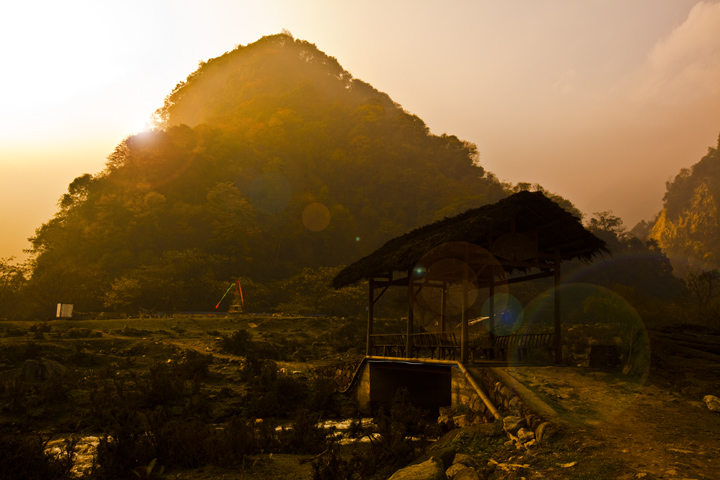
688, 227
176, 281
310, 293
245, 145
12, 280
635, 264
238, 343
396, 439
24, 458
704, 287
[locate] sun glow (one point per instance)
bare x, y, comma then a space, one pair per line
140, 126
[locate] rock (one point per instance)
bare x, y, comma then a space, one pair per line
466, 460
445, 455
454, 470
445, 421
712, 402
512, 424
467, 473
41, 370
430, 470
545, 431
525, 435
461, 421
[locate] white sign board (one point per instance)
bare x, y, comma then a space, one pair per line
64, 310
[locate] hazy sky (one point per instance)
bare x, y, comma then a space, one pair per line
601, 101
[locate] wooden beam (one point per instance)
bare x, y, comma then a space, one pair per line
371, 304
528, 277
558, 317
464, 340
411, 314
443, 307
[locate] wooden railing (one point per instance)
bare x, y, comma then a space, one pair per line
515, 347
445, 345
442, 344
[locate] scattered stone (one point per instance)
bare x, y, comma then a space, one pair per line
461, 421
465, 473
454, 470
525, 435
430, 470
712, 402
446, 456
41, 370
467, 460
512, 424
545, 431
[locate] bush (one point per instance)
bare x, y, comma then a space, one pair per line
194, 365
305, 435
160, 386
332, 466
24, 457
239, 343
273, 393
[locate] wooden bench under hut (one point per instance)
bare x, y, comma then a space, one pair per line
523, 237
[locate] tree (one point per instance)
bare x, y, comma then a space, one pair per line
310, 292
704, 287
12, 279
179, 280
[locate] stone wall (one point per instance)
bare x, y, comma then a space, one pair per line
464, 395
510, 404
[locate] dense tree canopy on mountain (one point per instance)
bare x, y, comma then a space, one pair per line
266, 160
688, 227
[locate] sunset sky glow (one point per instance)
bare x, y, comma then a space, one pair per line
600, 101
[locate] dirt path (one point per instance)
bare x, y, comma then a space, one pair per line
653, 432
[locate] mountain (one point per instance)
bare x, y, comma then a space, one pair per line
266, 160
688, 227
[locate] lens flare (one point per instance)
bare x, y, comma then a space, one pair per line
316, 217
508, 314
455, 276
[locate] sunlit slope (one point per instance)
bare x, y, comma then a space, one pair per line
688, 227
268, 159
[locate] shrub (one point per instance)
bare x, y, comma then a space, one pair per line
160, 386
239, 343
305, 434
332, 466
194, 365
124, 446
25, 457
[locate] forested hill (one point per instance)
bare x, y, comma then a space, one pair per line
688, 227
267, 159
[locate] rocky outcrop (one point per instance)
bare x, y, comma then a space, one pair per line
712, 402
432, 469
41, 370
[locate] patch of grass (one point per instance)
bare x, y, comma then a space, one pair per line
481, 441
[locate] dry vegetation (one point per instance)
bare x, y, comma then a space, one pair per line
179, 397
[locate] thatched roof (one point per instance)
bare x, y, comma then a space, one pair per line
527, 221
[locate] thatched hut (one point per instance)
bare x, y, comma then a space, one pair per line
522, 237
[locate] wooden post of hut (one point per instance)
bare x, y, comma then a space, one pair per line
443, 300
558, 316
464, 342
410, 317
371, 304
